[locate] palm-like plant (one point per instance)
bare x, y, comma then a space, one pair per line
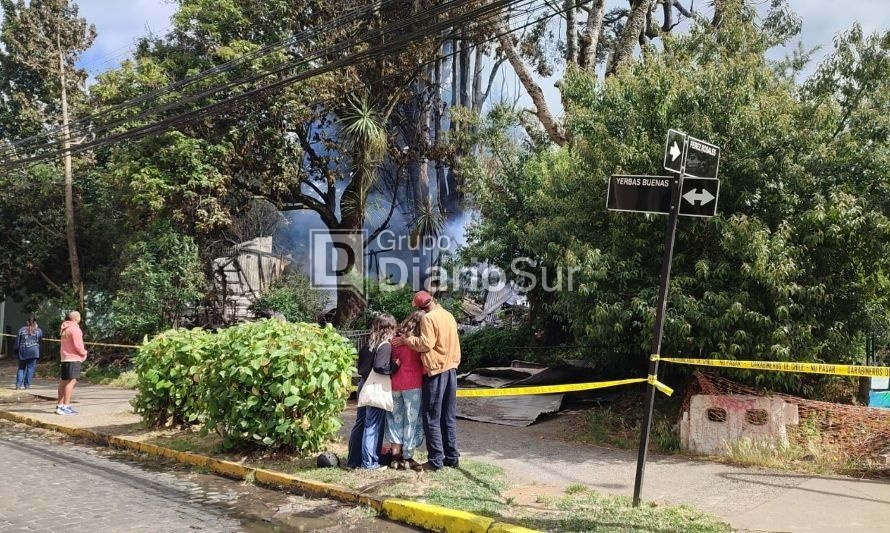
366, 140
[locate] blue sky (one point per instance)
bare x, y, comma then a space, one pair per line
119, 23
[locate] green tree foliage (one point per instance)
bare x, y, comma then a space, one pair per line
161, 277
34, 35
33, 223
40, 44
491, 346
294, 297
384, 297
793, 267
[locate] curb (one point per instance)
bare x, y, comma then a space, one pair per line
423, 515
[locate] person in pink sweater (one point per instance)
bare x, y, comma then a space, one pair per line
404, 425
73, 355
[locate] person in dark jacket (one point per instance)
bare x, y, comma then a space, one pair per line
27, 345
366, 438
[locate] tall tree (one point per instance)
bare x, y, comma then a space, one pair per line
42, 41
793, 267
319, 145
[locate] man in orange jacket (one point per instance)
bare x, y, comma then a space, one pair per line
439, 348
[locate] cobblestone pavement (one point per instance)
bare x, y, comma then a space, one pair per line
51, 484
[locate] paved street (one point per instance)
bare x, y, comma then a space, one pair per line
50, 484
541, 459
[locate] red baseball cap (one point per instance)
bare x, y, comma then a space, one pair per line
421, 299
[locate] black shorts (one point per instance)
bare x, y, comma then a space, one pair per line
70, 370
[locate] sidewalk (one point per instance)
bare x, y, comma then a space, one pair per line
538, 462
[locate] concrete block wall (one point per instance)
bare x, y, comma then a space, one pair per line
713, 421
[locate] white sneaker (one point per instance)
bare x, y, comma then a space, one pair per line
61, 410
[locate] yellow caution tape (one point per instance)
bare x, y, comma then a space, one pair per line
653, 380
131, 346
780, 366
544, 389
558, 389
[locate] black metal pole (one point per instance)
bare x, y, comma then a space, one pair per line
658, 333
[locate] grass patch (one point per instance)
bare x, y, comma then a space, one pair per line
618, 425
577, 488
475, 487
593, 511
811, 456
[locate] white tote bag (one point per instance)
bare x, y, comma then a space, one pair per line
376, 392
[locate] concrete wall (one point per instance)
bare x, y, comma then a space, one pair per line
712, 421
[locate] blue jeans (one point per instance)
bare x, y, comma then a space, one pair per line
25, 373
366, 437
440, 417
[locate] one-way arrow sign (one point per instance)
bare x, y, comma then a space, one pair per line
674, 151
699, 197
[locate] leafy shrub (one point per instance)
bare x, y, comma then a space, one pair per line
491, 346
294, 297
168, 369
278, 385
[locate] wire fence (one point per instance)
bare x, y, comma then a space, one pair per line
358, 337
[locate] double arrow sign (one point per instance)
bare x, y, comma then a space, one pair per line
696, 161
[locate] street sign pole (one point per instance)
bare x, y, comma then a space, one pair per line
658, 333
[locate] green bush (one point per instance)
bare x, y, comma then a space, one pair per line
492, 347
278, 385
168, 369
294, 297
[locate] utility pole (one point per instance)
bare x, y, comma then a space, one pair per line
70, 234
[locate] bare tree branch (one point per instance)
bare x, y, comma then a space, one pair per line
542, 111
592, 31
492, 76
52, 284
682, 10
624, 50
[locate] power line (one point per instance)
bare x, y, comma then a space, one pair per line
325, 52
77, 127
490, 10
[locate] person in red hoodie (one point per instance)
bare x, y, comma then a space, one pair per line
404, 424
73, 355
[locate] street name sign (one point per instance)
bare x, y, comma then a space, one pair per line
702, 159
640, 194
695, 189
652, 194
675, 151
699, 197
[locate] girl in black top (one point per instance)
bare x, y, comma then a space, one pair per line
366, 438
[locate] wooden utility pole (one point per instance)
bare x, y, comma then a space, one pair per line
70, 234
